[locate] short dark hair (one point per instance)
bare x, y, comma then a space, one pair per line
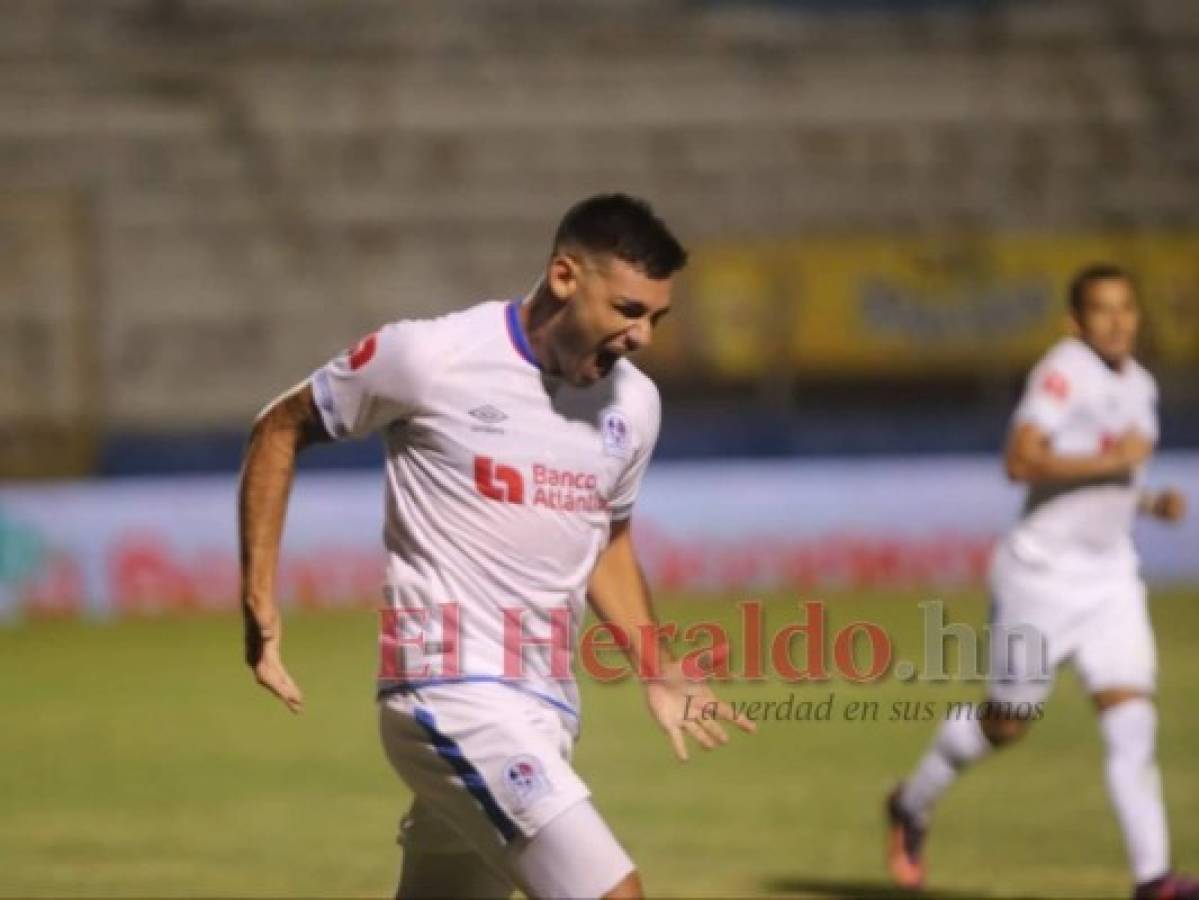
1087, 276
625, 227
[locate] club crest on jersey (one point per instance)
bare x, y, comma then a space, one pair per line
526, 781
614, 428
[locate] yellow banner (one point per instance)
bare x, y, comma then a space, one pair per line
867, 304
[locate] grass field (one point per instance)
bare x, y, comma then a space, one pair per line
140, 759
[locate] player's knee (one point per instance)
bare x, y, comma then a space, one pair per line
629, 888
1129, 730
1113, 697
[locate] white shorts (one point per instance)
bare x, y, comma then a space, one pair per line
497, 804
1040, 619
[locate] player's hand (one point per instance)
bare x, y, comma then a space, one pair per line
1169, 505
682, 707
1131, 449
265, 659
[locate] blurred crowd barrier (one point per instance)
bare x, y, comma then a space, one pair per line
134, 547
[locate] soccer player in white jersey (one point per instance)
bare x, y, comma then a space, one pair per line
516, 435
1065, 583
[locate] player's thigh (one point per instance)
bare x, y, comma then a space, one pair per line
1029, 634
1116, 649
492, 763
573, 855
439, 862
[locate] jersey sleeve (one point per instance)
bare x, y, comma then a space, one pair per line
645, 438
382, 379
1049, 394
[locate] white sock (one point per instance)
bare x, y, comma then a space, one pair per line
958, 743
1135, 786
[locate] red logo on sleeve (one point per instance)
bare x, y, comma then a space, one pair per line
363, 351
1056, 386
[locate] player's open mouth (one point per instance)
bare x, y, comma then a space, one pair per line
605, 359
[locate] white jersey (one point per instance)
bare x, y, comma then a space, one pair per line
1083, 406
502, 483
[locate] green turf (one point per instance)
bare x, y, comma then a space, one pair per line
140, 759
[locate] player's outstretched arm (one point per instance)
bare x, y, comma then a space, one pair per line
286, 426
620, 596
1030, 458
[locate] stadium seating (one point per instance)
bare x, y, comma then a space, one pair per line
261, 181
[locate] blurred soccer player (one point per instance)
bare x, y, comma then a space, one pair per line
517, 435
1067, 577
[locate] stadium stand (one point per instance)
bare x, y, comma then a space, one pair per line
245, 187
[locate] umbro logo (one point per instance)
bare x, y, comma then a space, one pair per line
488, 414
488, 418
